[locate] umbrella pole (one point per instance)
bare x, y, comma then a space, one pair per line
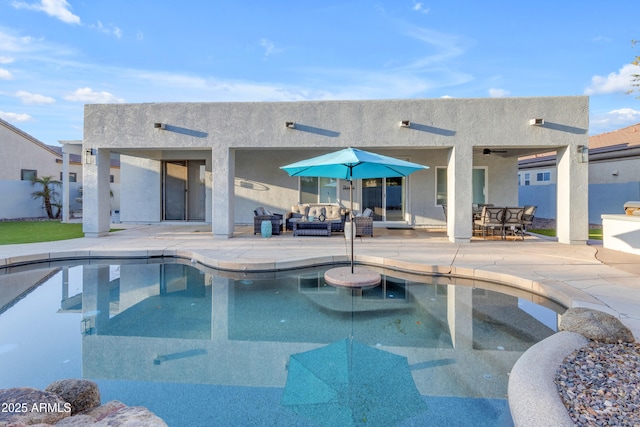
353, 231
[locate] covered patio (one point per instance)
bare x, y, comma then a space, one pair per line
216, 162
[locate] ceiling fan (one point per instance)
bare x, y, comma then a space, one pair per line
487, 152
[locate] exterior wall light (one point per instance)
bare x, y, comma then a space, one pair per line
289, 125
536, 122
160, 126
583, 153
88, 153
405, 124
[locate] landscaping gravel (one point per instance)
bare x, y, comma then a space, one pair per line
599, 383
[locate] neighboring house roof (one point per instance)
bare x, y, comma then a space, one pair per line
629, 136
29, 137
624, 141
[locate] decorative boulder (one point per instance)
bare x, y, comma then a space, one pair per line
131, 416
81, 394
28, 406
595, 325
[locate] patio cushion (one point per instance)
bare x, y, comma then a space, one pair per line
300, 209
316, 211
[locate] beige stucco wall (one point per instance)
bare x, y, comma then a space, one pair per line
20, 152
245, 143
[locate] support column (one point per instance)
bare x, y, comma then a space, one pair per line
460, 194
65, 185
96, 199
572, 225
223, 192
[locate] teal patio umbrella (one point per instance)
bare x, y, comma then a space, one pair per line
352, 163
349, 383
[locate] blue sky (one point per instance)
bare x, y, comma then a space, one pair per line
57, 55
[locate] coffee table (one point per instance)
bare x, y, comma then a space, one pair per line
312, 228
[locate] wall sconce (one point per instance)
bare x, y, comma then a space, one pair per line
583, 153
536, 122
289, 125
160, 126
405, 124
615, 173
87, 155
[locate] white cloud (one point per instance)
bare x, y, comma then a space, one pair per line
498, 93
14, 117
5, 74
116, 31
6, 60
612, 120
56, 8
419, 7
10, 43
87, 94
619, 82
269, 47
34, 98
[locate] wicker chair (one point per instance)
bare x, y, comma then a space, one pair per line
261, 215
364, 223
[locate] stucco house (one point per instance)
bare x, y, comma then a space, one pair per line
217, 162
23, 157
614, 175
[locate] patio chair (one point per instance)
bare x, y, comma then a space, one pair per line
512, 222
490, 220
261, 214
364, 223
527, 216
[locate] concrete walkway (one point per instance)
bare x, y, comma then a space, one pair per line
576, 276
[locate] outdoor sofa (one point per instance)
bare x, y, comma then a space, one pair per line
334, 214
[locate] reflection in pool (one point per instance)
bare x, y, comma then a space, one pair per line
204, 347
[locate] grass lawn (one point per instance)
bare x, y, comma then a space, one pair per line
37, 231
594, 233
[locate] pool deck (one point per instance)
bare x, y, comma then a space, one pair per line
576, 276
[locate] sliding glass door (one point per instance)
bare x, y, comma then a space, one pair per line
183, 190
385, 197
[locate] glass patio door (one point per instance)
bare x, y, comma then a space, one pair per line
386, 197
183, 190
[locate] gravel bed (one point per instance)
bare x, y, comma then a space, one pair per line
598, 384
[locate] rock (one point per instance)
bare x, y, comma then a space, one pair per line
30, 406
77, 421
104, 410
131, 416
81, 394
595, 325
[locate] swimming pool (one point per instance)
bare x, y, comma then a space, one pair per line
201, 347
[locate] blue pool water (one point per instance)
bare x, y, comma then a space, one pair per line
201, 347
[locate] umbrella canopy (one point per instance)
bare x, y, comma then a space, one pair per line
349, 383
352, 163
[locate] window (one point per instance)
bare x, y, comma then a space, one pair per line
72, 177
315, 189
527, 179
441, 186
479, 179
543, 176
28, 174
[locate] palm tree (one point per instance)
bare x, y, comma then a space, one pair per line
48, 193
